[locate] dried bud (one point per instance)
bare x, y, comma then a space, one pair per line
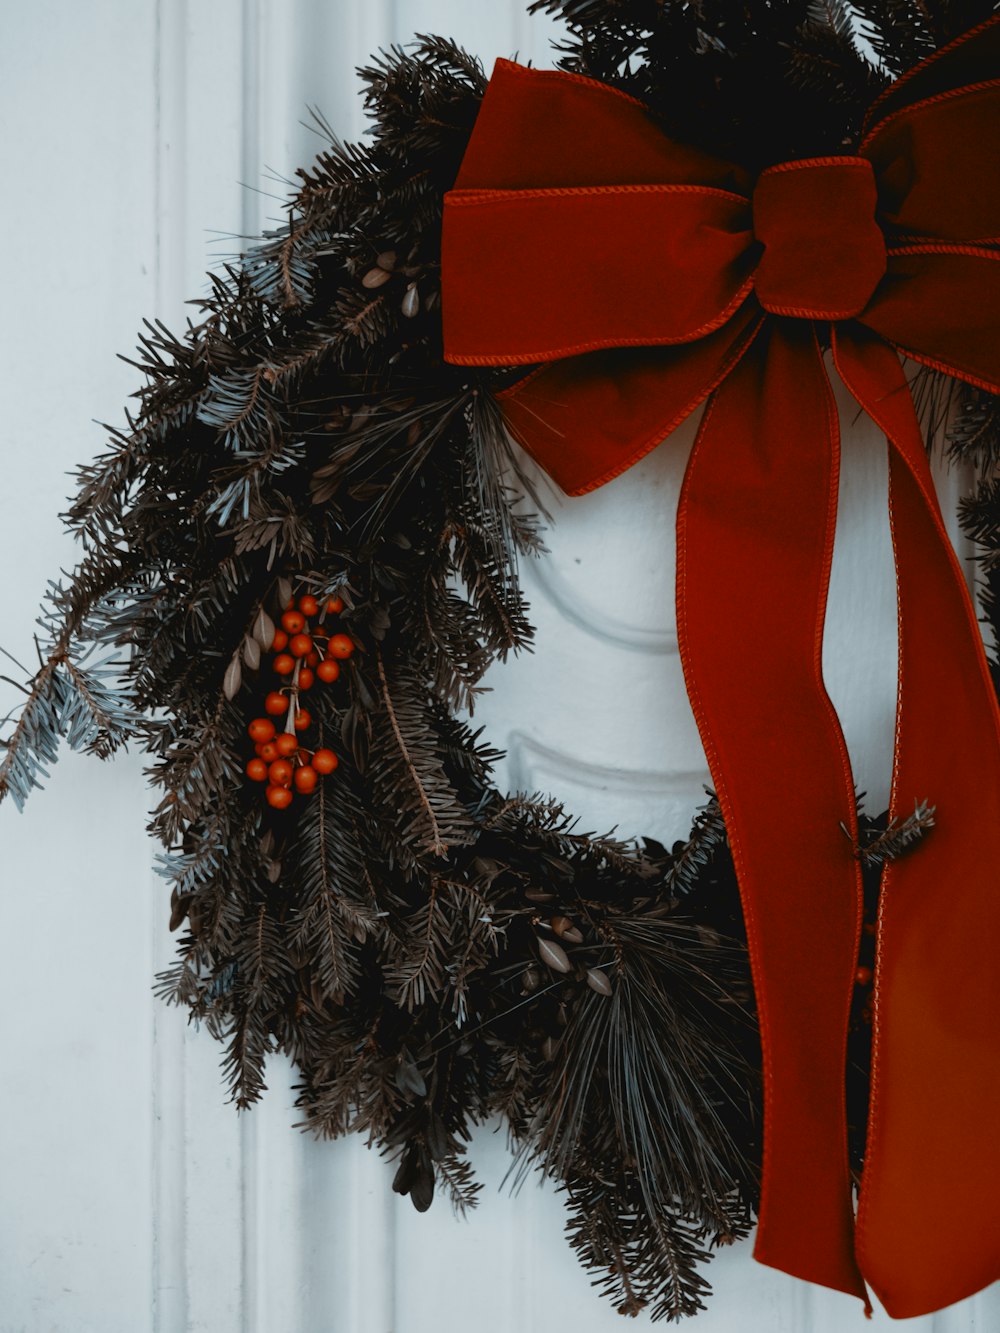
411, 301
564, 928
531, 978
387, 260
284, 592
554, 956
251, 652
263, 629
233, 679
598, 981
375, 277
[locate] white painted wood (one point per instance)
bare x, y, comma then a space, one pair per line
76, 1113
134, 1199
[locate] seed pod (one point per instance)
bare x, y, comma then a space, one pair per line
598, 981
411, 301
439, 1142
531, 978
554, 956
233, 678
386, 260
284, 592
358, 418
422, 1189
375, 277
263, 629
178, 909
409, 1078
251, 652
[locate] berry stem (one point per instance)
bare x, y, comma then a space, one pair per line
293, 698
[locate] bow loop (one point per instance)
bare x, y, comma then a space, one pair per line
679, 268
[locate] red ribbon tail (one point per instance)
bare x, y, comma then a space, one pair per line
935, 1085
755, 535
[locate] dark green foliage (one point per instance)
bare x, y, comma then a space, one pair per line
430, 952
757, 81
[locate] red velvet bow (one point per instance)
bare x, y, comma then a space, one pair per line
646, 276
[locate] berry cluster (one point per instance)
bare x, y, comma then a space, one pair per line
302, 655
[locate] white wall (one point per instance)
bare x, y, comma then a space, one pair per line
132, 1197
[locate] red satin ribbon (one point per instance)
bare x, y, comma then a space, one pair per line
646, 276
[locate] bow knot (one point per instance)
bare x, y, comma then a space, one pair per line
824, 253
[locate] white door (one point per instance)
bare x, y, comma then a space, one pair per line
132, 1197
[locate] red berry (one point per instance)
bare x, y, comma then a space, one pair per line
328, 671
324, 761
261, 729
284, 664
306, 679
268, 752
303, 719
279, 797
299, 645
280, 772
312, 658
286, 744
275, 703
293, 622
335, 605
280, 640
308, 605
863, 976
257, 770
306, 778
340, 646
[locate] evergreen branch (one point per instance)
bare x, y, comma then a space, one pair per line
898, 837
434, 839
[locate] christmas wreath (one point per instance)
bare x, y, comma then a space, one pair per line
300, 557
